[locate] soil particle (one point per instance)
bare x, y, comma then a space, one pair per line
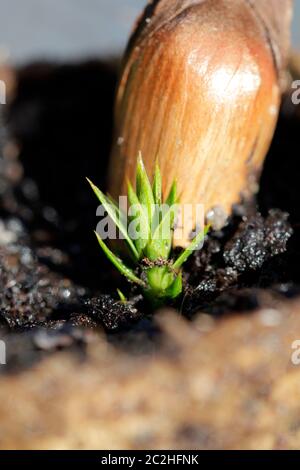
257, 240
227, 273
64, 337
111, 313
31, 295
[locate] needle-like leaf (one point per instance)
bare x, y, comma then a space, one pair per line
161, 239
121, 296
118, 263
172, 200
139, 220
172, 196
114, 214
157, 185
143, 188
189, 250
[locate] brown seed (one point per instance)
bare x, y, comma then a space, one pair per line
200, 91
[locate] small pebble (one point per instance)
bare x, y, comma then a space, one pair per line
49, 341
6, 235
217, 218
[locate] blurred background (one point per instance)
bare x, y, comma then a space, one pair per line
69, 29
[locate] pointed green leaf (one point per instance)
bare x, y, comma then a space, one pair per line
118, 263
141, 218
121, 296
157, 194
120, 214
189, 250
144, 189
122, 217
172, 200
161, 240
110, 208
116, 216
172, 197
157, 185
111, 200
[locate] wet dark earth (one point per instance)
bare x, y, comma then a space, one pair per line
55, 286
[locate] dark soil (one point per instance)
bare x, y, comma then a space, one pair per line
55, 284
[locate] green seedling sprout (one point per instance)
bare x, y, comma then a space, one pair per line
154, 268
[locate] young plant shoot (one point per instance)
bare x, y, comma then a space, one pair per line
155, 270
